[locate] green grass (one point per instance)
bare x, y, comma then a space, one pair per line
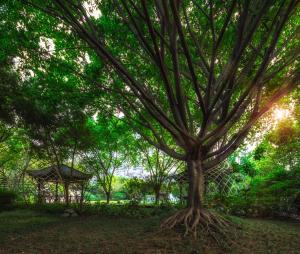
23, 221
24, 231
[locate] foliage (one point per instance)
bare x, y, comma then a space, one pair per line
164, 94
136, 188
274, 188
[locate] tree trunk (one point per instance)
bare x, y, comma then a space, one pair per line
39, 189
196, 184
157, 194
56, 192
107, 197
195, 215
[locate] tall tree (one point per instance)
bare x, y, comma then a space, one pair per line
199, 73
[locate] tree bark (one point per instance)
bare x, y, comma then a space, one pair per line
195, 215
196, 184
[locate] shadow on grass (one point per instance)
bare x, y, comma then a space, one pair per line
35, 232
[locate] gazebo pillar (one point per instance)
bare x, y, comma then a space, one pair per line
67, 193
81, 195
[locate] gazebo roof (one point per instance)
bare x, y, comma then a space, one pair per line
64, 173
181, 177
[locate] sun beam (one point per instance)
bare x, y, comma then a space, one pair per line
280, 114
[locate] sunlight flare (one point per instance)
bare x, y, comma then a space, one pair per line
280, 114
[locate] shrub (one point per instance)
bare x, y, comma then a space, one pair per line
125, 210
275, 193
7, 197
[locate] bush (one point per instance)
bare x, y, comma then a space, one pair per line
7, 197
55, 208
276, 193
127, 210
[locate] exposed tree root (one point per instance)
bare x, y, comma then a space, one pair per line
203, 220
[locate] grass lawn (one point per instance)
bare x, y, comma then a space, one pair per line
24, 231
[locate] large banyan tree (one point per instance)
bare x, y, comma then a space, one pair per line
192, 77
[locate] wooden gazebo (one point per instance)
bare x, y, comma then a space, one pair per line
62, 174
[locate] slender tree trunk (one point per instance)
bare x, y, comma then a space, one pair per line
107, 197
56, 192
157, 194
156, 198
39, 189
196, 184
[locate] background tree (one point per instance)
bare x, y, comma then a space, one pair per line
109, 151
159, 166
15, 157
136, 189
